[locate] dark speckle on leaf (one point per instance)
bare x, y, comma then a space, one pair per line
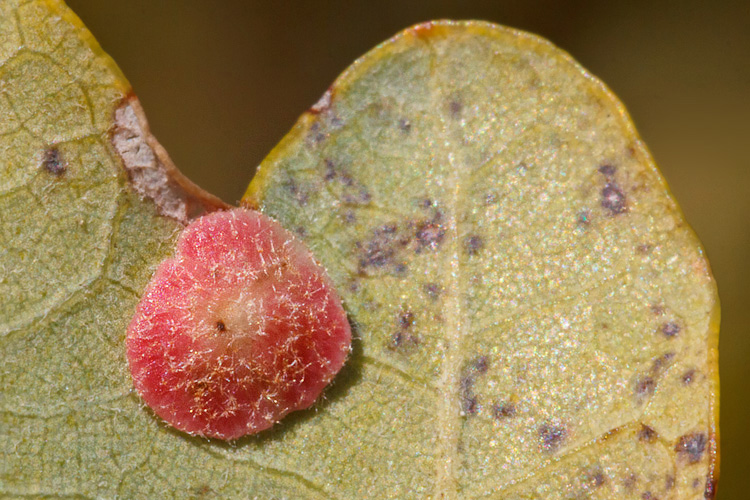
479, 365
300, 195
429, 234
630, 482
377, 252
346, 179
330, 170
469, 400
688, 377
670, 329
644, 248
657, 309
404, 337
597, 478
469, 403
644, 387
380, 252
336, 122
584, 218
359, 197
315, 136
349, 217
613, 199
660, 362
647, 434
691, 447
473, 244
407, 319
53, 162
455, 107
433, 290
353, 192
404, 125
552, 437
607, 170
203, 491
669, 482
503, 410
426, 203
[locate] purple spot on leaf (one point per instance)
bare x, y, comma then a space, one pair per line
613, 199
379, 252
429, 235
691, 447
455, 108
688, 377
475, 368
670, 329
473, 244
607, 170
644, 387
647, 434
53, 162
433, 290
404, 336
330, 170
503, 410
552, 436
297, 193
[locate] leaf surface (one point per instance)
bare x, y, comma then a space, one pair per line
534, 318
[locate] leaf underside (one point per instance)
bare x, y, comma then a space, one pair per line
534, 318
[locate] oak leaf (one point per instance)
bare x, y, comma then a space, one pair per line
533, 317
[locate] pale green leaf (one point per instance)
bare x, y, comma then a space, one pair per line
535, 318
505, 346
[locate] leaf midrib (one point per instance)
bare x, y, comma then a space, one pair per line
448, 414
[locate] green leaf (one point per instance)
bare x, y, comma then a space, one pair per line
543, 327
535, 318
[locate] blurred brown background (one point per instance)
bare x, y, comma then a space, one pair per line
223, 81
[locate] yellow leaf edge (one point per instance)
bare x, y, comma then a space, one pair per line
60, 8
254, 195
197, 200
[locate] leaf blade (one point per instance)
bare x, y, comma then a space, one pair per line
70, 422
534, 149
